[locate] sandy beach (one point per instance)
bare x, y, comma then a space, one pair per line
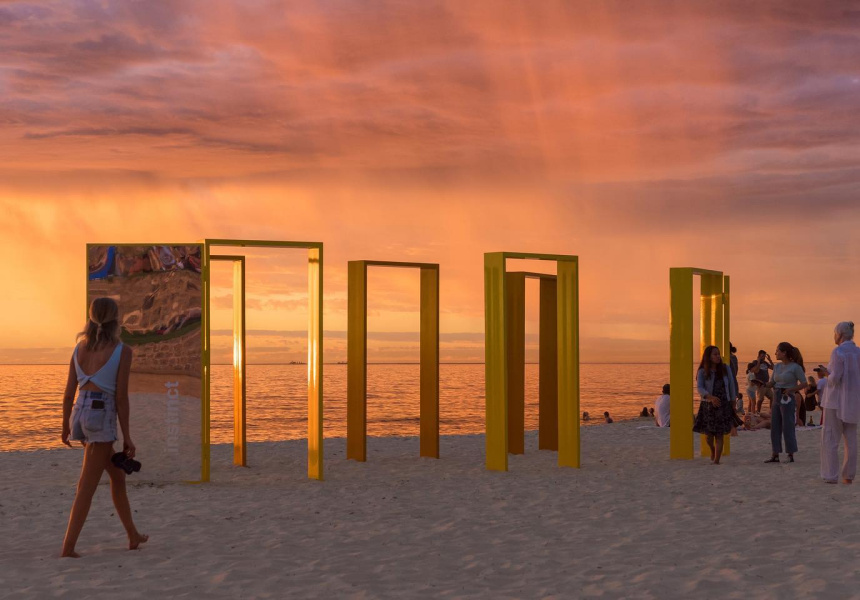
630, 523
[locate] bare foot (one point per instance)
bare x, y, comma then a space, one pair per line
847, 481
137, 540
69, 554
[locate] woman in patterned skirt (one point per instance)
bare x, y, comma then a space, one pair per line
716, 417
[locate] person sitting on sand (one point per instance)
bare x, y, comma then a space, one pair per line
716, 416
661, 415
644, 412
607, 418
102, 397
753, 422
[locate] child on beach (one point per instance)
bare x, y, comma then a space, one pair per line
607, 418
99, 369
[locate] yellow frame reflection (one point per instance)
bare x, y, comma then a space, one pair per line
356, 399
315, 345
714, 324
497, 347
240, 446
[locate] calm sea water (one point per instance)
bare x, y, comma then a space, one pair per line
31, 400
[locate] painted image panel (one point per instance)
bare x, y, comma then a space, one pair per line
159, 292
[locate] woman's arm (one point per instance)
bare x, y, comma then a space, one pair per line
836, 368
68, 400
700, 385
122, 409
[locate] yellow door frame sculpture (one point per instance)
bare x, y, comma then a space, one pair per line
240, 446
547, 361
315, 346
356, 403
496, 349
714, 322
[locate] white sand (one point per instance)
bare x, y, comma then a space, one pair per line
630, 523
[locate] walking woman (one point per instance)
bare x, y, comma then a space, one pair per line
788, 378
841, 406
716, 417
99, 369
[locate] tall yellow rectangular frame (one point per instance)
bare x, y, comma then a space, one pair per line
356, 398
240, 445
547, 360
315, 345
496, 349
714, 323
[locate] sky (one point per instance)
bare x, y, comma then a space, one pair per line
638, 136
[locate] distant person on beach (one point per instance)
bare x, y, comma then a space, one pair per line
733, 365
99, 369
841, 406
644, 412
755, 395
809, 402
762, 367
586, 416
821, 388
716, 416
788, 379
607, 418
661, 414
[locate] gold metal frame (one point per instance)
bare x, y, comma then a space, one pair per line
240, 445
548, 360
315, 346
499, 323
714, 331
356, 399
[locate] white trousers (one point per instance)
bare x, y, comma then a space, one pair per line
831, 433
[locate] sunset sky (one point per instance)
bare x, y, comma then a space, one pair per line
636, 135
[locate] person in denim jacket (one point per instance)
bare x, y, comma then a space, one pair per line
716, 416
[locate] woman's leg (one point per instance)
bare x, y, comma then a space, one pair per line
789, 418
710, 440
849, 464
830, 447
96, 457
123, 509
776, 430
719, 450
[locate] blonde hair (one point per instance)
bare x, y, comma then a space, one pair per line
102, 328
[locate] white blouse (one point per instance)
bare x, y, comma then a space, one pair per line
843, 384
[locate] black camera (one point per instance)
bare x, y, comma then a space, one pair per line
121, 461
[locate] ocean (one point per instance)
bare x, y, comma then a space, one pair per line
31, 400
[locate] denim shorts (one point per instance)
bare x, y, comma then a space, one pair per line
93, 423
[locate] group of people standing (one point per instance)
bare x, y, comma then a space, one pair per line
782, 382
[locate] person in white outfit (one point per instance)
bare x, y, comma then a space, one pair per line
841, 406
661, 414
